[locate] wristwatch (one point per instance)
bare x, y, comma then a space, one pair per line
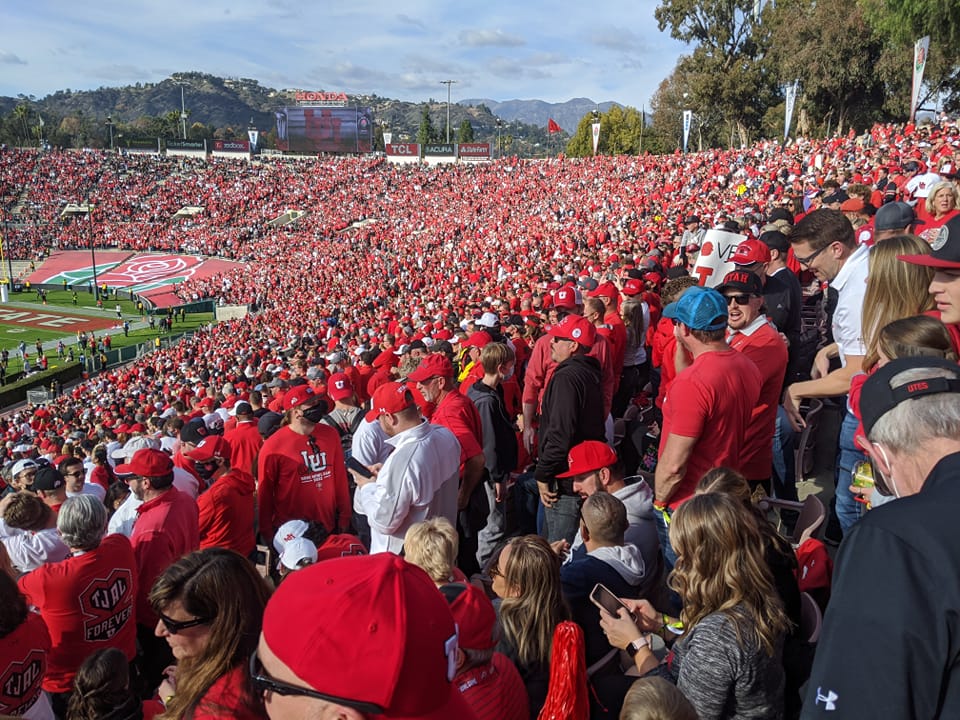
634, 647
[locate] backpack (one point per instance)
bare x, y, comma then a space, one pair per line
345, 431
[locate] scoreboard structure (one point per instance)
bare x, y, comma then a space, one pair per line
321, 122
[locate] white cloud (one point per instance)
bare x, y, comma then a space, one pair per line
490, 38
8, 58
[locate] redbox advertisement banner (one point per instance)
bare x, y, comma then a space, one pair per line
231, 146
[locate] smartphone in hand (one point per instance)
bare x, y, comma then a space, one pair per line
358, 467
606, 600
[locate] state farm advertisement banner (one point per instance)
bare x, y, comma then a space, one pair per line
715, 253
474, 150
231, 146
403, 149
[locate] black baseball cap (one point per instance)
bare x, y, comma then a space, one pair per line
742, 281
877, 397
945, 248
48, 478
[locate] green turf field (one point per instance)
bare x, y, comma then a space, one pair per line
11, 334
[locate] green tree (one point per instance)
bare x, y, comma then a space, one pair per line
465, 132
835, 54
427, 133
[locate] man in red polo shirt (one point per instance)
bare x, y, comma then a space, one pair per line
87, 600
166, 529
751, 333
226, 509
245, 441
301, 471
708, 408
457, 413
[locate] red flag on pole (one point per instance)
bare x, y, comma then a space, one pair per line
552, 126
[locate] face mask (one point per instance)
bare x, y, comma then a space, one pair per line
205, 470
510, 374
886, 461
314, 414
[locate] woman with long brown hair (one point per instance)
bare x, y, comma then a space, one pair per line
727, 660
210, 605
527, 578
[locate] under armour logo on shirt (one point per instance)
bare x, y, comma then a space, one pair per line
829, 700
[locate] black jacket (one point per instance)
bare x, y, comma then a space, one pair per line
499, 437
571, 412
890, 646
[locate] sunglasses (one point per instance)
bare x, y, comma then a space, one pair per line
738, 299
264, 683
175, 626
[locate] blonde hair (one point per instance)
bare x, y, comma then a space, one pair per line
433, 545
895, 289
721, 568
937, 187
528, 620
494, 355
653, 698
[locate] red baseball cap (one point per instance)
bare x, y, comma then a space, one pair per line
607, 289
474, 614
147, 462
633, 287
479, 340
389, 398
377, 612
340, 545
567, 297
299, 395
588, 456
750, 251
339, 387
576, 328
210, 447
433, 365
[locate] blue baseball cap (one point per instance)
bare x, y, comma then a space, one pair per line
699, 308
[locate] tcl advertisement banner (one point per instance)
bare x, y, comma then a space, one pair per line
438, 149
474, 150
403, 149
715, 253
231, 146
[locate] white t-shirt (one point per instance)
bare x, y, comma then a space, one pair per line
851, 285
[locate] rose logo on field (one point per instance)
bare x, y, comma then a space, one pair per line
145, 269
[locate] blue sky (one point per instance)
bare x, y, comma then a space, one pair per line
604, 49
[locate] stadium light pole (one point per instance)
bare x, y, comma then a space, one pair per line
499, 145
448, 83
183, 113
109, 124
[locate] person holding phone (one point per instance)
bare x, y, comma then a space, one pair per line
727, 661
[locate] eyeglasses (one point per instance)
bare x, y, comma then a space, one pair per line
808, 260
78, 473
264, 683
739, 299
175, 626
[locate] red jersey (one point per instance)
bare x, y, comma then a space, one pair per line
166, 529
227, 698
87, 602
495, 691
303, 480
618, 340
713, 401
245, 443
459, 415
226, 513
769, 353
23, 664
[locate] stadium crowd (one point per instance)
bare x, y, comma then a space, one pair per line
492, 450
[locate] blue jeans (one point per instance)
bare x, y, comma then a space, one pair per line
784, 479
562, 521
848, 509
663, 530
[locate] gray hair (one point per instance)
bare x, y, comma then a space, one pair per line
913, 422
82, 522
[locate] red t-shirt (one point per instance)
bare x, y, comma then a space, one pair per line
298, 480
459, 415
226, 513
495, 691
166, 529
769, 353
713, 401
23, 664
245, 443
227, 698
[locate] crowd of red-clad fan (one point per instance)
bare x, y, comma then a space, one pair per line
503, 371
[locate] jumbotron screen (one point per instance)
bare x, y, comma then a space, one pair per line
325, 130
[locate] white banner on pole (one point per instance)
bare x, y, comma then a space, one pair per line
713, 263
387, 138
920, 51
687, 120
596, 136
791, 99
254, 135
